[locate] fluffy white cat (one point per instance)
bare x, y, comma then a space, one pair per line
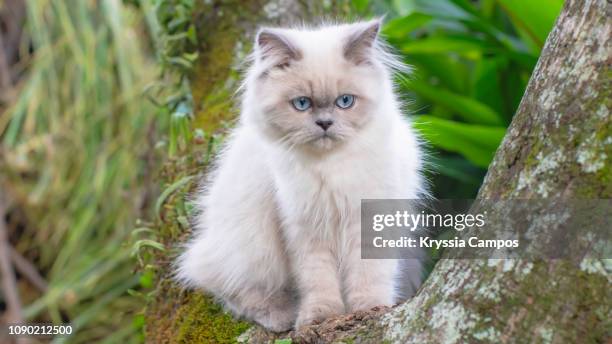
277, 237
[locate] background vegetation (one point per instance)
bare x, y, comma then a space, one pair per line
77, 142
98, 131
472, 62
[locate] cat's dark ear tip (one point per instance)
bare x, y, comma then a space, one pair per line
274, 42
376, 23
361, 40
263, 36
371, 30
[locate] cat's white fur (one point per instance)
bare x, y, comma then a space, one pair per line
277, 237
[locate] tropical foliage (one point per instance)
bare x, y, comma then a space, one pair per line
472, 61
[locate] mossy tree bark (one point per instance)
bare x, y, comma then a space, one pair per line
558, 144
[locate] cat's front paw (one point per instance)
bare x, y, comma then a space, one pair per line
317, 312
277, 322
367, 302
277, 319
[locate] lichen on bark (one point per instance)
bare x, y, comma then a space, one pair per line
559, 142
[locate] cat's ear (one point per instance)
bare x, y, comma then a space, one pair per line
273, 45
361, 39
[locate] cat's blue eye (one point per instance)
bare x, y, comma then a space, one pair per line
345, 101
301, 103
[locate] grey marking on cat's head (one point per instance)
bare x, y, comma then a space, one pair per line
273, 44
358, 47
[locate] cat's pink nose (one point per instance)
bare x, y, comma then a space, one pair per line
324, 123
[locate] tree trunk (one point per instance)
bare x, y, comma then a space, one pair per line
558, 144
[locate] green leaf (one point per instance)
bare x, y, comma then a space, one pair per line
138, 245
487, 8
466, 6
525, 61
470, 110
451, 72
283, 341
146, 279
534, 18
465, 46
169, 191
486, 83
139, 321
477, 143
191, 35
437, 8
513, 84
399, 28
361, 5
456, 167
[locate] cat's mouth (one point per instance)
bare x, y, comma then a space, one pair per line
326, 136
324, 141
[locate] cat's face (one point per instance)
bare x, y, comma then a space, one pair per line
317, 89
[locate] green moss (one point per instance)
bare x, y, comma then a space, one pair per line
176, 316
204, 321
